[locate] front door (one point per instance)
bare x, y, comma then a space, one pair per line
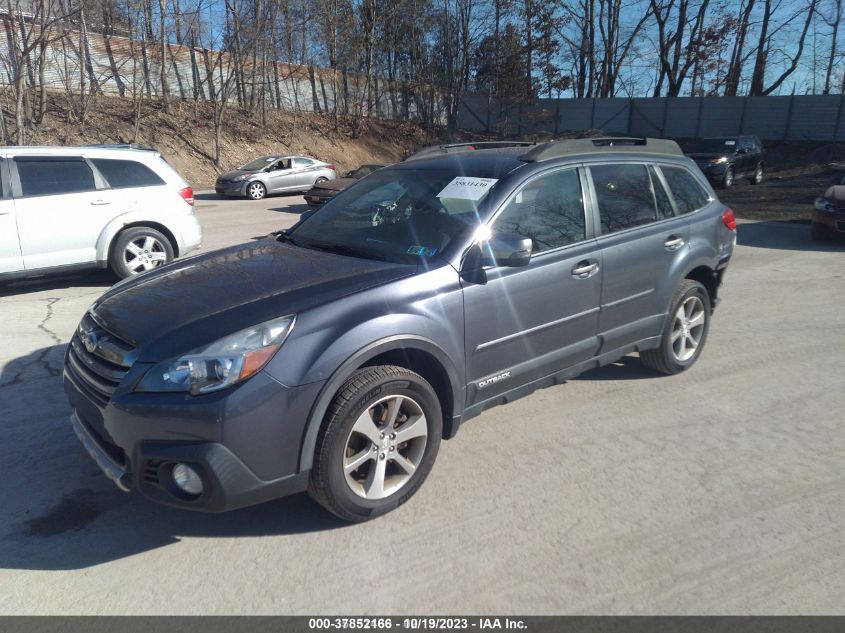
60, 213
281, 176
524, 323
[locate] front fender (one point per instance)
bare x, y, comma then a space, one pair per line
321, 405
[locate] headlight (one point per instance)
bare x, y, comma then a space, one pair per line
824, 206
221, 364
239, 178
719, 161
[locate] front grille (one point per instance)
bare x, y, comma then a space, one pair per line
150, 473
98, 360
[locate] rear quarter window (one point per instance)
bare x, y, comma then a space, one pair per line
53, 176
689, 195
121, 174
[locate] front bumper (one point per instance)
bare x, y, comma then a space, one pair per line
229, 188
245, 445
714, 171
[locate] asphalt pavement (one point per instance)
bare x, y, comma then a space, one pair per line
718, 491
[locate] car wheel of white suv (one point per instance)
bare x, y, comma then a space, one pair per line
138, 250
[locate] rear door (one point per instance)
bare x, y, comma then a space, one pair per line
10, 246
643, 242
61, 209
524, 323
306, 171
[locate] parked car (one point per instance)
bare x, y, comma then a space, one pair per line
333, 357
829, 213
74, 207
725, 159
274, 174
328, 189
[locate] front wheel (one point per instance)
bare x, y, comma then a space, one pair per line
757, 176
377, 444
684, 331
256, 191
728, 179
138, 250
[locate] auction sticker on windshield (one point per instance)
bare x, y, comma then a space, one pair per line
467, 188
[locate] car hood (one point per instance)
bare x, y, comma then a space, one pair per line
197, 300
339, 184
231, 175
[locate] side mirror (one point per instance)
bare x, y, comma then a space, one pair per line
506, 249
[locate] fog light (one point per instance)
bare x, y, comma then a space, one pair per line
187, 479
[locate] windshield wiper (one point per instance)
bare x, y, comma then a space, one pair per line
343, 249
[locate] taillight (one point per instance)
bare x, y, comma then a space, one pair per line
332, 167
729, 220
187, 195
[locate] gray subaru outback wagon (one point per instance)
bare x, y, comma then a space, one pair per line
333, 357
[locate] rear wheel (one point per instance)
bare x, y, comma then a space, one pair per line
256, 191
138, 250
684, 331
320, 179
377, 444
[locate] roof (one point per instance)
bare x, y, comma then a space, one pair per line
482, 163
102, 151
615, 145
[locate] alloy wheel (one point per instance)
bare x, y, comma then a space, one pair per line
256, 191
688, 328
144, 253
385, 447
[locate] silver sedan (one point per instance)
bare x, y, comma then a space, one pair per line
274, 174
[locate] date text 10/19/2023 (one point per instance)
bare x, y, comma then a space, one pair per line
416, 623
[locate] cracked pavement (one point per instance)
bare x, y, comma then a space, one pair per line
718, 491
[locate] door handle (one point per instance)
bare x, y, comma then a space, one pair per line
100, 202
584, 269
673, 242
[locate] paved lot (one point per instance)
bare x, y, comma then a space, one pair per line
718, 491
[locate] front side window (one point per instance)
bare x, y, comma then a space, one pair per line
688, 194
52, 176
126, 173
625, 195
394, 215
549, 210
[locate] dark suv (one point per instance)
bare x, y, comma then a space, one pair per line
333, 357
725, 159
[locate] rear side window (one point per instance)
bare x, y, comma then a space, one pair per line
688, 194
303, 162
53, 176
126, 173
549, 210
625, 197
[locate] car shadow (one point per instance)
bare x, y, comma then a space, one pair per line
296, 209
60, 512
210, 196
626, 368
791, 236
83, 279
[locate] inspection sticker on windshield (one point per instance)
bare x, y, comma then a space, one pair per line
466, 188
422, 251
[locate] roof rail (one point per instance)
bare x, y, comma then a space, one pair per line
568, 147
453, 148
137, 146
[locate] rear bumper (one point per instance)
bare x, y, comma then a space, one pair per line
189, 233
832, 222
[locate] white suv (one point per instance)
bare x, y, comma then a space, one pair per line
69, 207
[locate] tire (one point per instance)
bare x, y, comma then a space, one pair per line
757, 176
256, 190
139, 249
692, 298
727, 180
817, 231
320, 179
353, 428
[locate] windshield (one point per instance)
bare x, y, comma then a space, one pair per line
259, 163
397, 215
710, 146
